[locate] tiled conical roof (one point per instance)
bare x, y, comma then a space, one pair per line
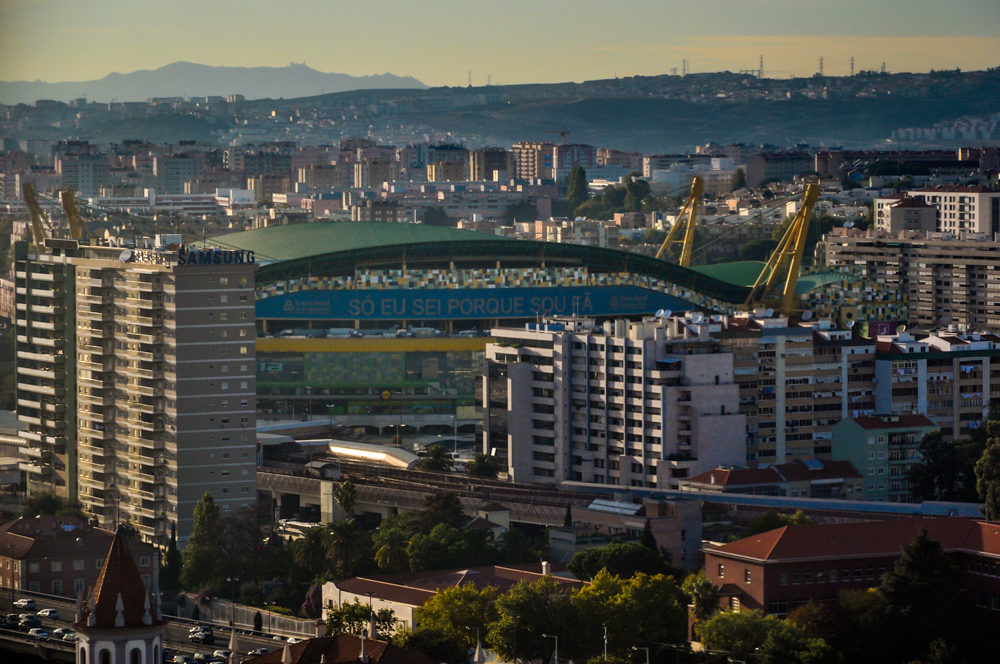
119, 599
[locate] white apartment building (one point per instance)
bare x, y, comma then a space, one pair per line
136, 380
959, 208
630, 404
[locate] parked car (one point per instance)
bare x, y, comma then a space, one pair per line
258, 651
25, 603
49, 613
69, 637
292, 640
29, 623
224, 654
60, 631
208, 638
38, 633
183, 659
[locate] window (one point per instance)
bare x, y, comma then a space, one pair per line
833, 576
734, 604
146, 580
808, 576
795, 579
33, 568
57, 587
783, 578
722, 571
144, 561
777, 607
77, 565
78, 586
99, 562
746, 576
56, 565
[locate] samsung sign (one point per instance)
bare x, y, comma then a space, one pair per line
213, 257
467, 303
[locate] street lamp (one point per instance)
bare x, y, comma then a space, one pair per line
232, 620
371, 614
647, 652
605, 643
556, 658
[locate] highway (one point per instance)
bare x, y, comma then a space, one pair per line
175, 637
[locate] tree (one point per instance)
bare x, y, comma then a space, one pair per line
310, 550
757, 250
702, 594
347, 544
568, 516
946, 471
258, 622
525, 613
170, 571
576, 192
435, 216
458, 611
636, 190
438, 508
988, 473
355, 618
739, 179
434, 644
516, 547
523, 211
483, 465
925, 595
447, 547
391, 552
766, 638
346, 496
436, 458
622, 559
771, 520
205, 565
48, 503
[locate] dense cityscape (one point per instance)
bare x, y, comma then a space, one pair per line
687, 367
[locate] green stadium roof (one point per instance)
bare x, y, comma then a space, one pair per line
281, 243
741, 273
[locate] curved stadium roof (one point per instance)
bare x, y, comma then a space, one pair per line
298, 250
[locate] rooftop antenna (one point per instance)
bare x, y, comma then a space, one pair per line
883, 67
760, 72
821, 65
488, 80
684, 64
852, 65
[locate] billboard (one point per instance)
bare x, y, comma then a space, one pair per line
469, 303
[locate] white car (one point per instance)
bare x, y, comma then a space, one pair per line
49, 613
224, 654
292, 640
70, 637
38, 633
25, 603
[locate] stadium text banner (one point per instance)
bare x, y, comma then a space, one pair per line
467, 303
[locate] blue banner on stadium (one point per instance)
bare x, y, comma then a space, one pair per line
468, 303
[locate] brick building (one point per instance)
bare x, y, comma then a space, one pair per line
62, 555
782, 569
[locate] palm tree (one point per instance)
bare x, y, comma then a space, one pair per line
346, 496
309, 551
347, 543
483, 466
436, 458
516, 547
391, 551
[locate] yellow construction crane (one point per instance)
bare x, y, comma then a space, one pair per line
790, 248
686, 219
77, 228
39, 221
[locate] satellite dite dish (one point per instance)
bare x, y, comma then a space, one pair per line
901, 328
850, 324
717, 318
125, 256
849, 224
666, 313
696, 318
660, 313
806, 315
769, 313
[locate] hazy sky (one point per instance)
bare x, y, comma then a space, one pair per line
514, 41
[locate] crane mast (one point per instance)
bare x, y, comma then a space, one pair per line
685, 219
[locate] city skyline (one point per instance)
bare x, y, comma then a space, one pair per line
441, 42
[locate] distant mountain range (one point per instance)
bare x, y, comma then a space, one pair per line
187, 79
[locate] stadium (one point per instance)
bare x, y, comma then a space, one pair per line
384, 325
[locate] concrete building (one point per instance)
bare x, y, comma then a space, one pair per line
533, 161
373, 173
447, 171
946, 278
333, 176
590, 233
565, 157
86, 173
173, 172
950, 377
783, 569
959, 208
136, 380
800, 479
882, 448
62, 555
490, 164
776, 165
631, 404
900, 212
266, 186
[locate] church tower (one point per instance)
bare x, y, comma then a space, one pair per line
119, 623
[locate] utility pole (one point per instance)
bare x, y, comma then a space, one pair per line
821, 65
852, 65
760, 73
470, 78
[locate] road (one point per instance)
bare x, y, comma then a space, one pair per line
175, 635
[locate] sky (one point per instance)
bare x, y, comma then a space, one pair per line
502, 41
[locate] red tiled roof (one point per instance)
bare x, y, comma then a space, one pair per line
57, 537
344, 649
865, 538
119, 598
800, 472
870, 422
738, 477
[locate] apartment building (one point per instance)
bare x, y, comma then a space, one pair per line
641, 404
533, 161
882, 448
86, 173
570, 231
950, 377
447, 171
372, 173
900, 212
947, 278
777, 166
490, 164
960, 208
136, 380
565, 157
796, 382
799, 479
